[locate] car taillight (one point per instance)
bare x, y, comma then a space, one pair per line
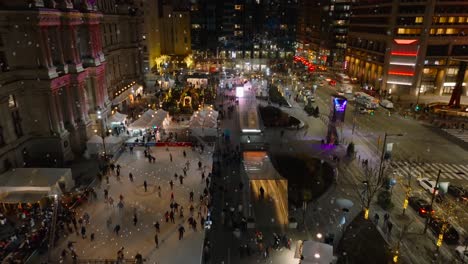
423, 211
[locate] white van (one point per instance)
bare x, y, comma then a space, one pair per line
386, 104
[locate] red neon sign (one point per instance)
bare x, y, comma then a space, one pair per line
401, 73
396, 53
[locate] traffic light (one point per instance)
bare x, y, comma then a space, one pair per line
417, 108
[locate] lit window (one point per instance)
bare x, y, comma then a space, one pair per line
462, 19
196, 26
237, 26
451, 19
451, 31
418, 20
238, 7
442, 19
440, 31
238, 33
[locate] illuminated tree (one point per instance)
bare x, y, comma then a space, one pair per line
160, 61
189, 61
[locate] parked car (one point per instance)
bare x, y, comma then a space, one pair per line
428, 185
462, 253
363, 110
451, 236
458, 192
421, 206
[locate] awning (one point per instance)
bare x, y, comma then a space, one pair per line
31, 184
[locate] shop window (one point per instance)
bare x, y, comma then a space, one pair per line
452, 71
447, 89
442, 19
418, 20
451, 19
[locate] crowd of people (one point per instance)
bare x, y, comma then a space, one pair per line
193, 219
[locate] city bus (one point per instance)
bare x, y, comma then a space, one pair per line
366, 100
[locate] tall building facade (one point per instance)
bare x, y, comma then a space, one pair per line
52, 78
247, 32
322, 37
408, 46
121, 36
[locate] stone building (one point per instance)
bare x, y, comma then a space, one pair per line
52, 80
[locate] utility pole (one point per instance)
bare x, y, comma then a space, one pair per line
436, 187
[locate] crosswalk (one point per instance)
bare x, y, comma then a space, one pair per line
462, 135
429, 170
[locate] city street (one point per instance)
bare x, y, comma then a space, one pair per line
410, 151
149, 208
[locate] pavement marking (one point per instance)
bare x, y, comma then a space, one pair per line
430, 170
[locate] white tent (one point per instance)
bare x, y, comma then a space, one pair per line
143, 121
204, 122
95, 144
158, 118
117, 118
31, 184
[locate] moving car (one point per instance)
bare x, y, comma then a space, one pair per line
386, 104
462, 253
428, 185
458, 192
451, 236
421, 206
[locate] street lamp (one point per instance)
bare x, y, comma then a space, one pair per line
383, 150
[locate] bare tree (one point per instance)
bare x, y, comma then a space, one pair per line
372, 183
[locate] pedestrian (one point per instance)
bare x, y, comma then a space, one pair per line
166, 215
145, 184
181, 179
170, 156
176, 176
92, 237
187, 164
202, 176
389, 227
191, 196
199, 165
130, 176
176, 207
172, 184
172, 196
135, 219
376, 219
386, 217
181, 213
159, 191
156, 240
83, 232
181, 232
107, 179
106, 194
111, 201
194, 225
171, 216
185, 171
154, 159
156, 225
131, 149
117, 229
184, 153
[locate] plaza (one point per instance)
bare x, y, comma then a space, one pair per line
149, 208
